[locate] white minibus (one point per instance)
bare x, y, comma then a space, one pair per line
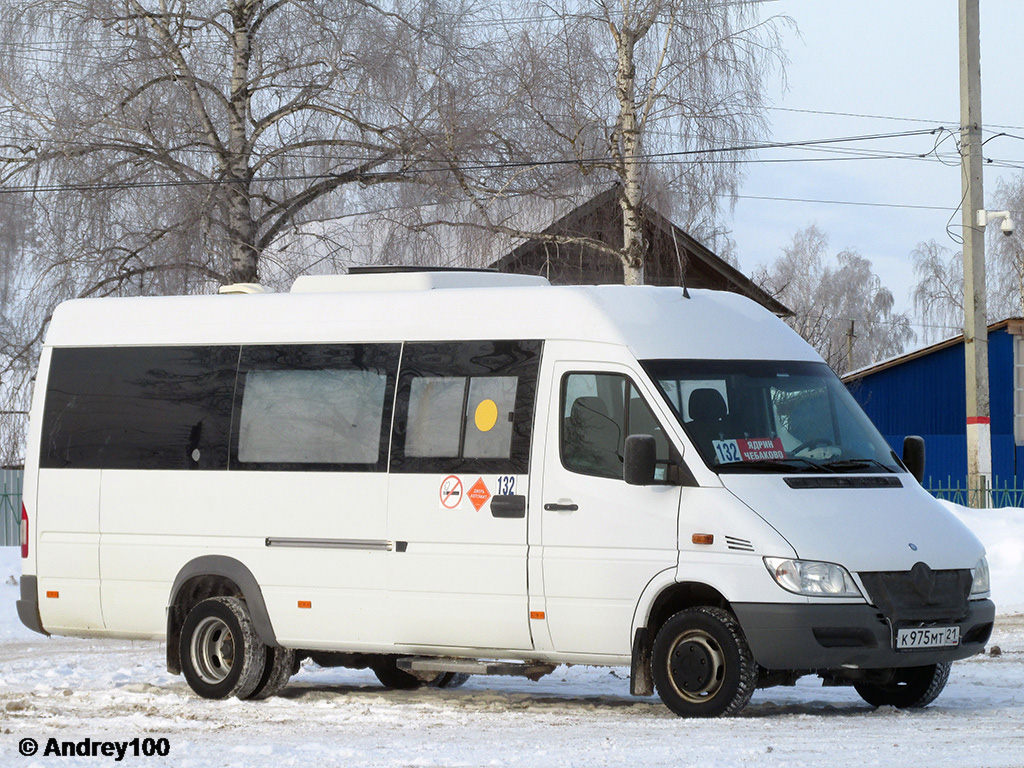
440, 473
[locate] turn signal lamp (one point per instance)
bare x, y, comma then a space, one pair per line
980, 584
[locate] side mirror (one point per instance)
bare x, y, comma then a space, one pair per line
913, 456
639, 462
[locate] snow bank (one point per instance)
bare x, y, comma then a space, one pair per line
1002, 533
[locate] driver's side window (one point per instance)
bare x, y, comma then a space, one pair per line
598, 411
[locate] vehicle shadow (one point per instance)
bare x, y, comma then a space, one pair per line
480, 698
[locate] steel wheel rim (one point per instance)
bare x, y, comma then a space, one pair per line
696, 666
213, 650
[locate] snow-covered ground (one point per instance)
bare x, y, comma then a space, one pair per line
72, 690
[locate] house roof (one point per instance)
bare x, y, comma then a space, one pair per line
703, 268
1014, 324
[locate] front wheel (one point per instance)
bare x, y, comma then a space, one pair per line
387, 671
449, 680
701, 664
390, 676
907, 687
221, 653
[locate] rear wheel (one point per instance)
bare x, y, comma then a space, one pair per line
221, 653
279, 668
701, 664
907, 688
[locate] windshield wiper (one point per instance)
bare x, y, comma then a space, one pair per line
776, 465
852, 465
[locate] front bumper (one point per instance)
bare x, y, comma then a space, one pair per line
820, 636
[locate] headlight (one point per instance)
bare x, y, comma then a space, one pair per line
980, 585
813, 579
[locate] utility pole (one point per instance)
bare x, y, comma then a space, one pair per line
979, 435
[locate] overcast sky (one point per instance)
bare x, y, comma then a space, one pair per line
891, 58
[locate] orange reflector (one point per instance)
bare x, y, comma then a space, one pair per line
536, 614
305, 604
703, 538
52, 593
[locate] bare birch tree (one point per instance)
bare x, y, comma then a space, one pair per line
840, 305
223, 122
939, 293
169, 146
656, 97
1006, 254
17, 237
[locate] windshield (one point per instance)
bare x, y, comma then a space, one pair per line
771, 416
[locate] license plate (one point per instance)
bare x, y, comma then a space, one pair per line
927, 637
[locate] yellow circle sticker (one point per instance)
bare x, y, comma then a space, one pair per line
486, 415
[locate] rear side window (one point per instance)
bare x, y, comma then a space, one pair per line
465, 406
315, 407
139, 408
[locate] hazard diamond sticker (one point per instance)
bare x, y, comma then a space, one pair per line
478, 494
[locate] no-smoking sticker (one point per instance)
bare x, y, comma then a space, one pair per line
451, 492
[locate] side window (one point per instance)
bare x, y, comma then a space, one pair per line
139, 408
598, 412
465, 406
314, 407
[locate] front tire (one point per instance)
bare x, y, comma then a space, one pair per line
908, 687
221, 653
449, 680
701, 664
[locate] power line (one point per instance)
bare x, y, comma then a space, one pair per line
889, 117
848, 202
867, 322
469, 168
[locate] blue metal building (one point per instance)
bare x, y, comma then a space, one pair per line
923, 393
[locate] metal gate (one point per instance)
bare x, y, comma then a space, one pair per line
10, 507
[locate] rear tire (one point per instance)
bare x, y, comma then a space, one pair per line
701, 664
279, 668
221, 653
910, 687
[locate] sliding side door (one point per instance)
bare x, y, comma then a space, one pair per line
458, 485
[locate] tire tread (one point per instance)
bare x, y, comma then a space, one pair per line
746, 670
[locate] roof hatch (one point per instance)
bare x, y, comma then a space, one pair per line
402, 278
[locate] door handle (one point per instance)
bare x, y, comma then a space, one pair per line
508, 506
561, 507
